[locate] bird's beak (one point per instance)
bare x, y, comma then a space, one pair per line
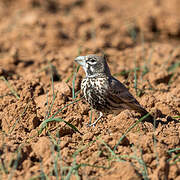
81, 60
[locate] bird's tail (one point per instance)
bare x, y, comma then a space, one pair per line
137, 107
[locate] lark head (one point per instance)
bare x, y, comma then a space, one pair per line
93, 65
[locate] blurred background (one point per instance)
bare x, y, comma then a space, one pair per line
46, 25
37, 31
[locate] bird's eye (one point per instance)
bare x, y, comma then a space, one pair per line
92, 60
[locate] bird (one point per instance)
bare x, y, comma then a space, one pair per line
102, 91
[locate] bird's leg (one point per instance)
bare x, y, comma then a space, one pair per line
90, 119
94, 123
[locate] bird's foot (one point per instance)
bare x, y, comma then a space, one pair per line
91, 124
94, 123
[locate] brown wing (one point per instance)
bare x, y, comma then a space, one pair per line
119, 92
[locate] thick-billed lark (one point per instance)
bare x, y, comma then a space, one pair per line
102, 91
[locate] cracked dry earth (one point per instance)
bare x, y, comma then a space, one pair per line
39, 40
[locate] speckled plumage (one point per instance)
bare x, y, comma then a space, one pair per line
102, 91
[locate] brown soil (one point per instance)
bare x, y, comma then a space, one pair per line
39, 39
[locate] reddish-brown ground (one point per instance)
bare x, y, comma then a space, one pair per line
39, 38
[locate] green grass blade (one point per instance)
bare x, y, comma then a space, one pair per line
14, 125
155, 143
54, 97
144, 171
173, 150
135, 78
59, 110
146, 65
15, 165
9, 86
129, 129
75, 71
110, 150
68, 79
173, 67
44, 123
176, 117
73, 82
3, 167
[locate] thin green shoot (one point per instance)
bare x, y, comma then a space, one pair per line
59, 154
75, 167
123, 157
58, 157
140, 160
73, 81
173, 67
2, 161
54, 96
129, 129
55, 158
77, 92
82, 148
176, 157
3, 167
170, 56
77, 175
44, 123
10, 87
22, 114
170, 79
51, 119
47, 105
68, 79
132, 31
155, 143
177, 160
173, 150
146, 65
114, 155
150, 86
43, 176
135, 77
75, 71
144, 171
15, 164
73, 102
176, 117
135, 80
